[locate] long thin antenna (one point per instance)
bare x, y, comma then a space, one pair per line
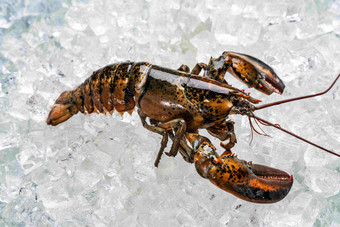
290, 133
297, 98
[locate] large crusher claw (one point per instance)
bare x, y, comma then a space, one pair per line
250, 182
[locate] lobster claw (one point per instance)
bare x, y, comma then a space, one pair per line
254, 72
250, 182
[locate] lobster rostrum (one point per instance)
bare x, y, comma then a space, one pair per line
177, 103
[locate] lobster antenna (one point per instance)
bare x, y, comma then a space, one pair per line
290, 133
297, 98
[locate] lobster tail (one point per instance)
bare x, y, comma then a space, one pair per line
113, 87
63, 109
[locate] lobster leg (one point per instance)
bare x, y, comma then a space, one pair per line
224, 131
184, 149
195, 71
184, 68
158, 130
165, 130
180, 125
250, 182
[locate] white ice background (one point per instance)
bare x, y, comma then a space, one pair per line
98, 170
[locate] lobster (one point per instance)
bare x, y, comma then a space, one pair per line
177, 103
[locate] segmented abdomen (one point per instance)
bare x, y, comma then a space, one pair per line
109, 88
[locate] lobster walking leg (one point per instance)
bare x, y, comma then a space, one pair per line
184, 68
224, 131
158, 130
181, 125
165, 130
195, 71
184, 149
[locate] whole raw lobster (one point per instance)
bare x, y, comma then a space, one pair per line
177, 103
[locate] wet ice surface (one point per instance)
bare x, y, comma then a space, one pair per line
98, 170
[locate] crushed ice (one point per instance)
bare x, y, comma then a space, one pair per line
98, 170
